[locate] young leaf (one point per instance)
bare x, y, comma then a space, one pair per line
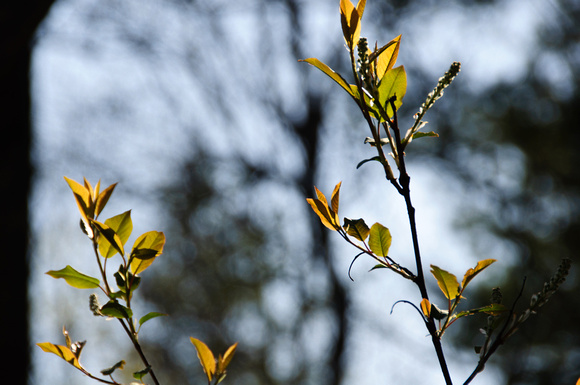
123, 226
109, 371
225, 361
447, 282
380, 240
74, 278
62, 351
350, 21
110, 236
150, 316
83, 199
332, 74
334, 200
387, 56
115, 309
327, 215
356, 228
471, 273
394, 83
206, 357
103, 198
425, 134
146, 248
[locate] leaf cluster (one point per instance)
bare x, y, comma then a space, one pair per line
109, 239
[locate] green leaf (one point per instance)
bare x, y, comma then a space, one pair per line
420, 134
146, 248
394, 83
142, 373
109, 371
116, 310
122, 225
150, 316
109, 236
374, 158
206, 357
471, 273
380, 240
356, 228
447, 282
74, 278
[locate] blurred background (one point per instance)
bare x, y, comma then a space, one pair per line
216, 134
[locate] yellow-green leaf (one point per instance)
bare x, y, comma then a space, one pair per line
103, 198
146, 248
205, 356
394, 83
74, 278
332, 74
471, 273
123, 226
380, 240
387, 56
447, 282
62, 351
110, 236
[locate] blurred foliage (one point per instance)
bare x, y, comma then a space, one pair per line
514, 148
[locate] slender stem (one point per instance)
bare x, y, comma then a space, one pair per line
405, 181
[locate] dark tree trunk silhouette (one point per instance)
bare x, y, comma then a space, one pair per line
18, 22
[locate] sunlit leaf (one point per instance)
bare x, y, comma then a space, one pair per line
334, 200
387, 56
123, 226
146, 248
206, 357
447, 282
471, 273
350, 21
327, 215
332, 74
74, 278
62, 351
426, 307
110, 236
394, 83
83, 199
103, 198
356, 228
380, 240
224, 361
